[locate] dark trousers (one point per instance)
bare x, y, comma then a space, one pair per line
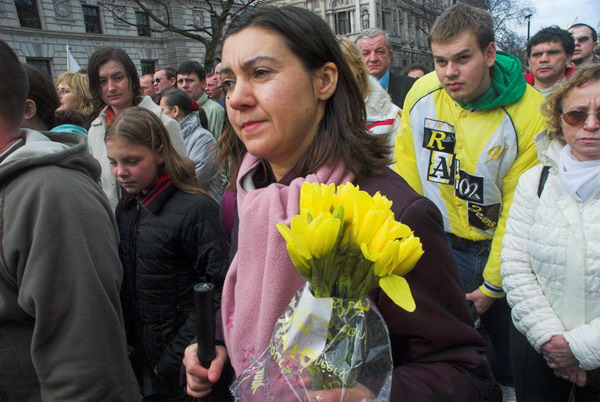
471, 258
536, 382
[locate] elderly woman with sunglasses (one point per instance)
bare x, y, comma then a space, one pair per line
551, 252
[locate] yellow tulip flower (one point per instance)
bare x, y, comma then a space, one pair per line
365, 227
316, 198
302, 264
322, 233
381, 202
388, 231
295, 234
409, 253
345, 196
385, 261
312, 239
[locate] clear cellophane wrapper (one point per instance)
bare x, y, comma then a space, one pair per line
321, 344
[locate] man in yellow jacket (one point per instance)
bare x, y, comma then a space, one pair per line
465, 138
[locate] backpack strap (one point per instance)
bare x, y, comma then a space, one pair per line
543, 178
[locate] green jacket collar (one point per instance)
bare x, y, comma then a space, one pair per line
507, 87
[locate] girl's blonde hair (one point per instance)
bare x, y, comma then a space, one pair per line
141, 126
354, 59
81, 86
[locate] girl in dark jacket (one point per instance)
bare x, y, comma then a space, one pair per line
171, 239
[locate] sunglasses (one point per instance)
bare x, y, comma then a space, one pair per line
576, 118
156, 81
582, 39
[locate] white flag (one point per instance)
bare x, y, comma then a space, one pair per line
72, 65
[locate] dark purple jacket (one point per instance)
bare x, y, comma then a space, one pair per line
438, 355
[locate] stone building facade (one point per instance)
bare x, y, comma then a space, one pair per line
407, 22
40, 30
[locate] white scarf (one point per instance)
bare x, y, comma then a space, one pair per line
580, 179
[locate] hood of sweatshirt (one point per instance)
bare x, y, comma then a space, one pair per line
67, 150
507, 84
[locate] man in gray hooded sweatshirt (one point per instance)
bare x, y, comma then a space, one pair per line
61, 335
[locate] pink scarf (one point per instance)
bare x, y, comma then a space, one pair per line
267, 278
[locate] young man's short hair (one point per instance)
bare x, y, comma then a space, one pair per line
192, 67
461, 18
13, 87
594, 33
553, 34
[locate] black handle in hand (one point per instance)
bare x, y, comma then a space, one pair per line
205, 322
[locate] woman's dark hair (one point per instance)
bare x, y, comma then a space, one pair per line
97, 60
70, 117
203, 118
43, 92
342, 132
176, 97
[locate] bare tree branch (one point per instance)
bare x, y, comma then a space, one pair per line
161, 11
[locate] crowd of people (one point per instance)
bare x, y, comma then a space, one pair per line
120, 192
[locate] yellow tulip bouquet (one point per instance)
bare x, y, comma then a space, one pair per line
345, 243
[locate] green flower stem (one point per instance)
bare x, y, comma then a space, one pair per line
369, 283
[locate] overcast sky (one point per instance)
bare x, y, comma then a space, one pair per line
563, 13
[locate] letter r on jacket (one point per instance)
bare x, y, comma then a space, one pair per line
437, 137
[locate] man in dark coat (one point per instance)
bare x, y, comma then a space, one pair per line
374, 47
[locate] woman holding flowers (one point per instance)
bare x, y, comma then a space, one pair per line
296, 115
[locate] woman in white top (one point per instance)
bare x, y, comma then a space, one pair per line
551, 252
115, 86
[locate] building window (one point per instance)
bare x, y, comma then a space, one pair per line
364, 18
28, 13
401, 25
42, 64
386, 20
148, 66
91, 16
343, 21
143, 23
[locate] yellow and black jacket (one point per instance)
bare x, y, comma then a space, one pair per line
468, 161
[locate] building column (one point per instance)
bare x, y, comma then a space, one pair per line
357, 19
372, 14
